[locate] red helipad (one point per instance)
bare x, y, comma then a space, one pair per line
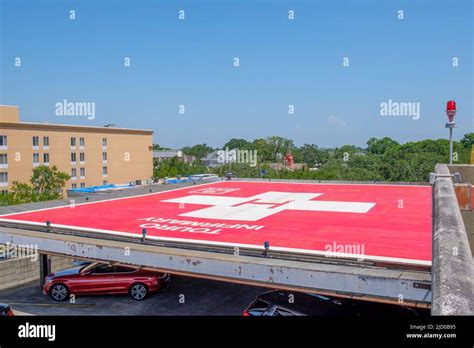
388, 223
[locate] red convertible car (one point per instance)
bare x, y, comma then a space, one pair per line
103, 278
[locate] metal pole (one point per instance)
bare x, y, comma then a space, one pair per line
450, 144
433, 227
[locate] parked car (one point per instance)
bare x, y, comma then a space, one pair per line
103, 278
285, 303
6, 310
230, 175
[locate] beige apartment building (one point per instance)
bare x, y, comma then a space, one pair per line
92, 156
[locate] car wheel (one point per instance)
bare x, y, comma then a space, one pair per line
138, 291
59, 292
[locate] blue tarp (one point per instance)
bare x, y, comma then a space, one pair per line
177, 181
93, 189
100, 188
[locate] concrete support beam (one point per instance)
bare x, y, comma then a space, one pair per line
44, 267
452, 267
372, 283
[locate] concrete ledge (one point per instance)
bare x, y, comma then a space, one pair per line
453, 267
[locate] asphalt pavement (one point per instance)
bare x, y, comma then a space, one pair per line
186, 296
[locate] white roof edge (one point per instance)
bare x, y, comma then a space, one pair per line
83, 126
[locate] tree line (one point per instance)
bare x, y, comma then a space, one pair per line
383, 159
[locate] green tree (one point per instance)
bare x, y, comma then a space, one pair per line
22, 193
279, 146
234, 143
172, 167
349, 150
48, 181
468, 140
380, 146
312, 155
264, 150
157, 147
199, 151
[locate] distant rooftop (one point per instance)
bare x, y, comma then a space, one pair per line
10, 118
167, 153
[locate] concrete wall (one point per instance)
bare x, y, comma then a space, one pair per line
466, 170
17, 271
468, 218
465, 196
453, 266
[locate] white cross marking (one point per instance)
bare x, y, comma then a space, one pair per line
257, 207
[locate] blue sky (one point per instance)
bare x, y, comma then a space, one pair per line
282, 62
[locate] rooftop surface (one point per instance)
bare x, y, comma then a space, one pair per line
386, 223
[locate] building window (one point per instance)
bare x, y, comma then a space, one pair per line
74, 186
36, 141
73, 142
73, 173
3, 160
104, 182
3, 141
45, 141
104, 142
104, 156
81, 142
83, 184
73, 157
83, 172
104, 171
3, 177
82, 157
46, 158
36, 158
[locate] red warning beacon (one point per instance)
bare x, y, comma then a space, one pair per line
451, 110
